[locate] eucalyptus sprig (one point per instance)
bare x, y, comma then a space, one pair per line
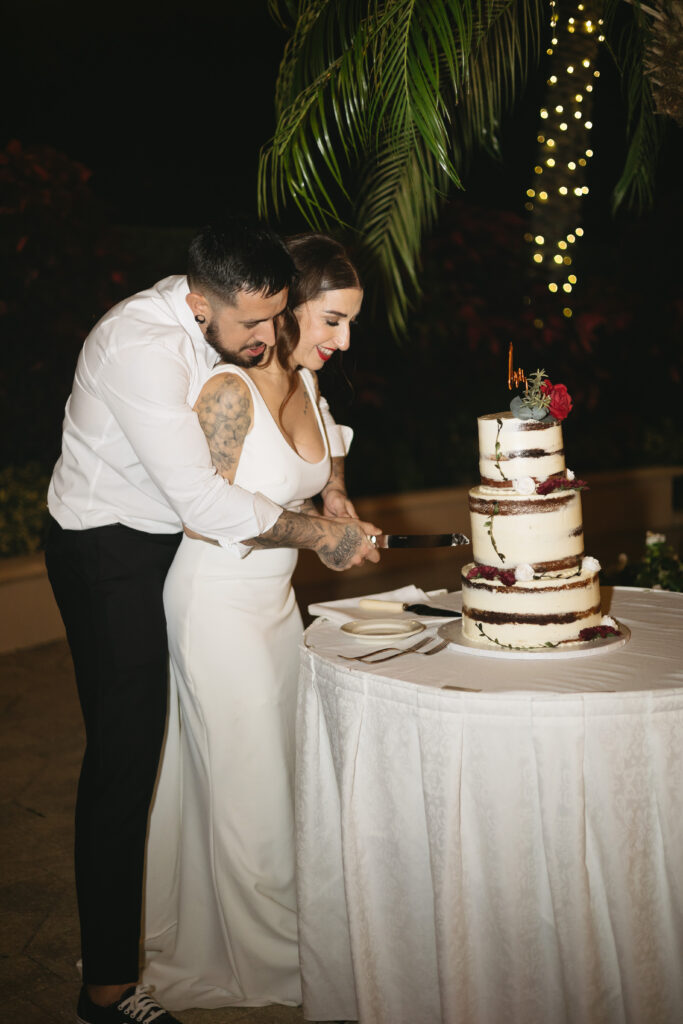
533, 403
534, 397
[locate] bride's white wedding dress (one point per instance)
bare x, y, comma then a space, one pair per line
220, 918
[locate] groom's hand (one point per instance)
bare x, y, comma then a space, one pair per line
346, 543
339, 543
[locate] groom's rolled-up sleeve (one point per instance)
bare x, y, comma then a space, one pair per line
146, 391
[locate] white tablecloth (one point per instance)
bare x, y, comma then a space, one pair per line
513, 856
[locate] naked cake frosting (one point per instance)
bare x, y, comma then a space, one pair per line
530, 583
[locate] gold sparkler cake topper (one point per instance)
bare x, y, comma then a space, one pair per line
515, 377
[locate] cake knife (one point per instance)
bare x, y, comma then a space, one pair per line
418, 540
376, 604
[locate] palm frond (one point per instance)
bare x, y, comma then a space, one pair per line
398, 200
629, 33
379, 103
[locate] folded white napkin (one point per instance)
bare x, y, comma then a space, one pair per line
348, 609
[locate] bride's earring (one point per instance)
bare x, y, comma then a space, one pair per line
200, 319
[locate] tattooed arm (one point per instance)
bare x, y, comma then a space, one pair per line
225, 411
338, 543
336, 501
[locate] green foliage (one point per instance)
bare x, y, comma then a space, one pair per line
379, 105
659, 568
628, 34
23, 509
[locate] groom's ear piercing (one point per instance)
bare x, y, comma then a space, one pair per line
200, 319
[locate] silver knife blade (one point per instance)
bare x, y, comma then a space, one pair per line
418, 540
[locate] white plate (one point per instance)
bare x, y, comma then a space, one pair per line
383, 629
452, 631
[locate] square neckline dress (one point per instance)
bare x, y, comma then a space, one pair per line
220, 906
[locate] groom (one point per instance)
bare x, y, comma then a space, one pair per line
135, 468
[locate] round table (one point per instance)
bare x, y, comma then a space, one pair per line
513, 855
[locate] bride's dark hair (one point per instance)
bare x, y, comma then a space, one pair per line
322, 265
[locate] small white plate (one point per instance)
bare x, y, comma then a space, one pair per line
383, 629
452, 631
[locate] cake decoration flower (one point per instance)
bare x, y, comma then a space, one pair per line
524, 573
492, 572
570, 474
598, 632
607, 620
542, 399
561, 483
560, 401
524, 485
590, 564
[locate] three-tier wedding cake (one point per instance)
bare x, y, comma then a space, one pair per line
530, 584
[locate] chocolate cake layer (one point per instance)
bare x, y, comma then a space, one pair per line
527, 619
519, 588
520, 506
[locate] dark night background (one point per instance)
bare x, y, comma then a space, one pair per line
166, 106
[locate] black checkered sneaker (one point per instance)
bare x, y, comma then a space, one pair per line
135, 1006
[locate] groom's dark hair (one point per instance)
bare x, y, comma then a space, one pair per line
238, 254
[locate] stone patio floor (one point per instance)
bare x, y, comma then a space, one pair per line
41, 742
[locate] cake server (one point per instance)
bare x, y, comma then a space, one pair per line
376, 604
418, 540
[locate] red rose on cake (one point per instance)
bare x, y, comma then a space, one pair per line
560, 399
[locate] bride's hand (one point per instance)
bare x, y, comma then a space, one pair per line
336, 503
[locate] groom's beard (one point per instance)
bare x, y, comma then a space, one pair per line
213, 337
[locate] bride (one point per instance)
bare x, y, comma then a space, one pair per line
220, 899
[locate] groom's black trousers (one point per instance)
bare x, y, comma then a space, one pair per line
108, 583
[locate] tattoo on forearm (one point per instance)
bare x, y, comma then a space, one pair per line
293, 530
224, 414
336, 481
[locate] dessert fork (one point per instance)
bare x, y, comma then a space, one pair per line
397, 652
435, 650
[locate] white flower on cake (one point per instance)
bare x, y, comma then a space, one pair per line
654, 538
524, 485
590, 564
607, 620
524, 573
570, 474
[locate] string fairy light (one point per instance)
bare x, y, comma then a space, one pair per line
564, 150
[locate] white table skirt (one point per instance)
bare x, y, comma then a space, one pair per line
507, 857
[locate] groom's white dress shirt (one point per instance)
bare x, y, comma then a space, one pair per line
133, 451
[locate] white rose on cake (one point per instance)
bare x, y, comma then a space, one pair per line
524, 573
590, 564
571, 475
524, 485
607, 620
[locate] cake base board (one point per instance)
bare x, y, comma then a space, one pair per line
452, 631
